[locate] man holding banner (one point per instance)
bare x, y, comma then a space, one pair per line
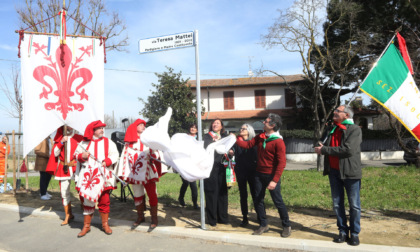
343, 165
62, 164
96, 155
137, 168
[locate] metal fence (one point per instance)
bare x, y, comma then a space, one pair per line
296, 145
293, 145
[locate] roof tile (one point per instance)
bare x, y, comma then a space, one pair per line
248, 81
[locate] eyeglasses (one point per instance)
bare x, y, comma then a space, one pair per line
244, 129
338, 111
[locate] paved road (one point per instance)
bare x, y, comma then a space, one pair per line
42, 233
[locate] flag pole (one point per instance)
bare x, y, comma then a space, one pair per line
373, 66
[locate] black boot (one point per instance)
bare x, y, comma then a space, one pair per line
244, 222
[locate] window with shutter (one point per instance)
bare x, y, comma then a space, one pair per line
259, 98
290, 98
228, 100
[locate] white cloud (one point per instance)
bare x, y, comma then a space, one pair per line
8, 47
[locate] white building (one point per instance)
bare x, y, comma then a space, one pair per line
247, 100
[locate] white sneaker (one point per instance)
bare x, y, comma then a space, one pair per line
45, 197
48, 195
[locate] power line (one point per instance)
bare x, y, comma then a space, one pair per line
9, 60
151, 72
138, 71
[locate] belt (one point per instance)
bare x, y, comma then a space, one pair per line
71, 163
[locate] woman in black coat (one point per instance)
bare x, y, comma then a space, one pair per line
246, 164
215, 188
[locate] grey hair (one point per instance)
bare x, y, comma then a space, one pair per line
348, 110
275, 119
251, 131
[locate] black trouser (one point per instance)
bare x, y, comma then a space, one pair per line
261, 183
216, 196
244, 177
44, 180
184, 188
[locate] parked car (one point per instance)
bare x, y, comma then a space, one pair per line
414, 146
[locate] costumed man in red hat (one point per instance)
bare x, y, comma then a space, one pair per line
64, 172
96, 155
137, 168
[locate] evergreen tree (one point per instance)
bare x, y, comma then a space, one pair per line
380, 19
172, 91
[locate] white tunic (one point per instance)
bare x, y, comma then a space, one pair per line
97, 149
135, 166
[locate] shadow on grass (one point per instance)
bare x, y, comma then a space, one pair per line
401, 215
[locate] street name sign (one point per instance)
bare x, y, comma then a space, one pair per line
167, 42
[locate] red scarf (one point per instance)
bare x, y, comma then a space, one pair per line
335, 142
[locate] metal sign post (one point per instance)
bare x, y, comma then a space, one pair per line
200, 137
177, 41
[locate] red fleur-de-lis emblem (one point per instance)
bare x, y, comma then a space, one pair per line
91, 178
135, 169
64, 75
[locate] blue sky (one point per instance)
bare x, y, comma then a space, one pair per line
229, 35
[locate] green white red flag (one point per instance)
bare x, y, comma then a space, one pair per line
391, 84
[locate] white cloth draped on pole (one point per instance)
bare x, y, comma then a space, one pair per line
61, 84
183, 152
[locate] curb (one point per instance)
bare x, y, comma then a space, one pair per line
218, 236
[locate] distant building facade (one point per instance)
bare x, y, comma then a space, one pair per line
248, 100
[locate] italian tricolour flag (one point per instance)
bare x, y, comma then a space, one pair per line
391, 84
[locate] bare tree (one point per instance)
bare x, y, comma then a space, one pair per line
301, 29
13, 95
14, 107
92, 13
110, 121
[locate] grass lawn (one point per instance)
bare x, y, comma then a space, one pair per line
384, 189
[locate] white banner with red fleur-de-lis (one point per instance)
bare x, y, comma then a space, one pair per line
61, 84
132, 166
91, 180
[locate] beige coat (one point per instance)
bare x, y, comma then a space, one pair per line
42, 152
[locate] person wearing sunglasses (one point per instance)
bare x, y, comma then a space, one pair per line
246, 164
343, 165
270, 166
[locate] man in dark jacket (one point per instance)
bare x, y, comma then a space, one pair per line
342, 164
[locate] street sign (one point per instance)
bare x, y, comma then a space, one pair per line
167, 42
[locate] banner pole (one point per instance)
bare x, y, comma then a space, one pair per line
200, 137
14, 162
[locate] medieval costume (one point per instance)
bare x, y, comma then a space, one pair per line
137, 168
3, 153
94, 181
64, 172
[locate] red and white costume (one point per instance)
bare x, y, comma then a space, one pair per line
103, 150
136, 167
56, 162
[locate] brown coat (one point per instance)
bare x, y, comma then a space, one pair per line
42, 152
